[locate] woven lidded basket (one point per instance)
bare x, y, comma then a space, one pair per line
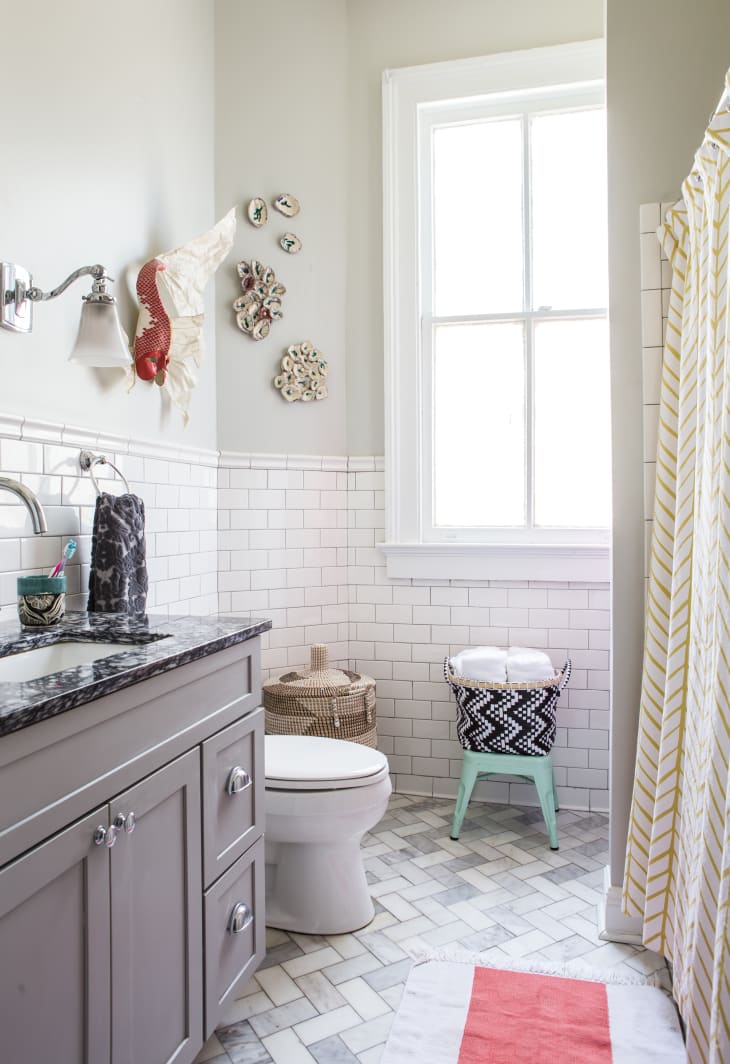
507, 718
334, 703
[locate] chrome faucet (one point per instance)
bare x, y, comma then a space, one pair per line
32, 504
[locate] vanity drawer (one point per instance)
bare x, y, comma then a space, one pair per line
233, 793
235, 932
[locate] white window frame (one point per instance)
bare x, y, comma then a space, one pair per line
564, 76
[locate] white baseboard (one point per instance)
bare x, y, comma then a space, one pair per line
613, 924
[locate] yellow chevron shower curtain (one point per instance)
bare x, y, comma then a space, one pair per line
678, 858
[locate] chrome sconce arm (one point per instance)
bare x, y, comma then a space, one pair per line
98, 272
101, 341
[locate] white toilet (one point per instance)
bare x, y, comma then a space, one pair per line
322, 795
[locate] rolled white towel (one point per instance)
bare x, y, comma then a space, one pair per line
481, 663
525, 664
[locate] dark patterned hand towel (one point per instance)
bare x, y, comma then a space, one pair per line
118, 578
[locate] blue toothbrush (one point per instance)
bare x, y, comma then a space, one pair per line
68, 552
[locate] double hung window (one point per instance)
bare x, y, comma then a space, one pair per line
497, 373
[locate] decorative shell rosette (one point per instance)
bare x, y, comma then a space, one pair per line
260, 303
303, 374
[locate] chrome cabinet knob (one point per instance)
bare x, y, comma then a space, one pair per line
238, 780
105, 836
241, 917
126, 823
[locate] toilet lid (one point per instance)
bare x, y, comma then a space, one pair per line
308, 762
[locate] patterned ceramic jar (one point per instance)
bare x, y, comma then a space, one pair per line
41, 600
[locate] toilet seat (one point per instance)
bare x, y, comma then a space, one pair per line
311, 763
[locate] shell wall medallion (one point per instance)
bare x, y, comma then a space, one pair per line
258, 212
287, 204
303, 374
260, 304
291, 243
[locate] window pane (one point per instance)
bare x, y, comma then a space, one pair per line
572, 424
569, 249
477, 210
479, 422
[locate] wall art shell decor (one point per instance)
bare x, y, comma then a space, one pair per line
260, 303
303, 374
287, 204
291, 243
258, 212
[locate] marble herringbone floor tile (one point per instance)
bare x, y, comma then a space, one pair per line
498, 890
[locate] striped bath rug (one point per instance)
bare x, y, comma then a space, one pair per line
466, 1011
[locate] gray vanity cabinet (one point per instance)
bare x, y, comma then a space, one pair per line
55, 950
125, 931
156, 919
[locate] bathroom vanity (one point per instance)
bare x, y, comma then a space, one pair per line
131, 848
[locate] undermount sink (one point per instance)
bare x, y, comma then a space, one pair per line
42, 661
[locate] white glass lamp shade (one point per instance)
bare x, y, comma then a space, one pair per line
101, 342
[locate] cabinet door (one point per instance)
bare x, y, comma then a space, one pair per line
235, 932
233, 793
156, 919
54, 950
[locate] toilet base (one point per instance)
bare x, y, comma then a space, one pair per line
317, 890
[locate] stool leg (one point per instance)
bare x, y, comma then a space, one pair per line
468, 778
546, 794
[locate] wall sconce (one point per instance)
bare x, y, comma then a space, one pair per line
100, 342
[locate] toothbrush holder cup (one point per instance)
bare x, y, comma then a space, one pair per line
41, 600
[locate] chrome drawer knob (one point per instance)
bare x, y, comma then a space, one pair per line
105, 836
238, 780
126, 823
241, 917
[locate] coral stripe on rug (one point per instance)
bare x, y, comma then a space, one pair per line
454, 1012
540, 1018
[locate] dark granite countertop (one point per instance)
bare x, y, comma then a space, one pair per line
156, 645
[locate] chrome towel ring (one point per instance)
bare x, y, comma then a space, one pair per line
87, 461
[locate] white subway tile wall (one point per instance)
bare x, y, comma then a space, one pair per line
656, 284
293, 538
283, 554
308, 559
180, 496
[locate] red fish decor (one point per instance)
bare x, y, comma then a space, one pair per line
170, 290
152, 345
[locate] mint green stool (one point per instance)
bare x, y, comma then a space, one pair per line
538, 769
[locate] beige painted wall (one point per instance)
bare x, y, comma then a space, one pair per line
107, 156
666, 61
381, 35
282, 126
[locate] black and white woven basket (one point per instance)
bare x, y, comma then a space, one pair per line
507, 718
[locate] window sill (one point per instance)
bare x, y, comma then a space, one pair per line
479, 561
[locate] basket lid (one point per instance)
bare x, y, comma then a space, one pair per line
319, 677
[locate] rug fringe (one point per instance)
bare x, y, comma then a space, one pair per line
568, 969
